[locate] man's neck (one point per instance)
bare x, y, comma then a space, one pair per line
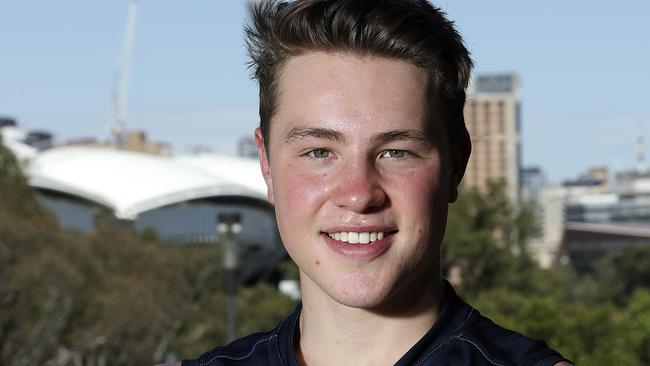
331, 333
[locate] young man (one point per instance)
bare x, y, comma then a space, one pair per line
363, 145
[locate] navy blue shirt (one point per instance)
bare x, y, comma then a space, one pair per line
460, 336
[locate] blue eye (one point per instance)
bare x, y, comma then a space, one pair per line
395, 154
319, 154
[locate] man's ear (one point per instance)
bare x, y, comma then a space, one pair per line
264, 164
460, 150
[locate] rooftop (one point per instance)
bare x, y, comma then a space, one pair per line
130, 183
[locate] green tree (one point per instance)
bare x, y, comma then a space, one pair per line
15, 194
114, 297
620, 273
599, 319
485, 242
637, 316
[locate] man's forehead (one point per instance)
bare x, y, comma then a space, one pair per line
332, 66
324, 95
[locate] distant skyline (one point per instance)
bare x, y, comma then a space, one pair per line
584, 66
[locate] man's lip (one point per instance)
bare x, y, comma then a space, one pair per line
359, 251
361, 229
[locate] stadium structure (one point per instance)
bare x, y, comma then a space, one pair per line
180, 198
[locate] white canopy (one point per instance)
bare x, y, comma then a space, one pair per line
131, 182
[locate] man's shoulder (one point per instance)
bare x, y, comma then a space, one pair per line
250, 350
496, 345
501, 342
263, 348
462, 335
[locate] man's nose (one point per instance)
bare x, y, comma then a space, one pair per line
359, 188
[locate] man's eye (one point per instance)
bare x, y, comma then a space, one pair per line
395, 154
319, 154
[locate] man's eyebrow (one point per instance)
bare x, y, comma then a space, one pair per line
299, 132
401, 135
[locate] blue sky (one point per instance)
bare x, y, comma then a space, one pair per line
584, 64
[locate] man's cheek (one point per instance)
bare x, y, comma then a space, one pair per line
419, 184
424, 194
303, 192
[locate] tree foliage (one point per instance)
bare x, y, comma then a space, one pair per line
115, 297
486, 241
620, 274
601, 319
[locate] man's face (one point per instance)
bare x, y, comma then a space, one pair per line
360, 184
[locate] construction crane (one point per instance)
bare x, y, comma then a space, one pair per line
120, 89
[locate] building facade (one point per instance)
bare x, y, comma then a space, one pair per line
493, 119
601, 218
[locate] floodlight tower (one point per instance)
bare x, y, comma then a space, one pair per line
122, 77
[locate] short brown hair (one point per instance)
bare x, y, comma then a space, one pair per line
411, 30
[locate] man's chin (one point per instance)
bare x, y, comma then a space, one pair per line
368, 300
354, 289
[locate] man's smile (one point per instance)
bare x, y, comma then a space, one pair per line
359, 243
353, 237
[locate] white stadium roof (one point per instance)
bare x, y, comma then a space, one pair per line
130, 183
12, 138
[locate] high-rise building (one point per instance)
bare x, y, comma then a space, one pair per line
493, 118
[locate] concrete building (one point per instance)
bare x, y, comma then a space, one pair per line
594, 200
633, 188
584, 243
550, 211
180, 198
585, 199
493, 118
601, 217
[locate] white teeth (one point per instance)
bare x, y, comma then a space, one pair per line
364, 238
353, 237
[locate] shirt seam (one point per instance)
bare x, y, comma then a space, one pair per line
466, 319
480, 350
446, 340
277, 351
238, 358
433, 350
277, 332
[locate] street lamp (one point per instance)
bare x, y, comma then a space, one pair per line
229, 224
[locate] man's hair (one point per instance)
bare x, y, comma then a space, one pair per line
410, 30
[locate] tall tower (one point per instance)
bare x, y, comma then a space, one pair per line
493, 119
